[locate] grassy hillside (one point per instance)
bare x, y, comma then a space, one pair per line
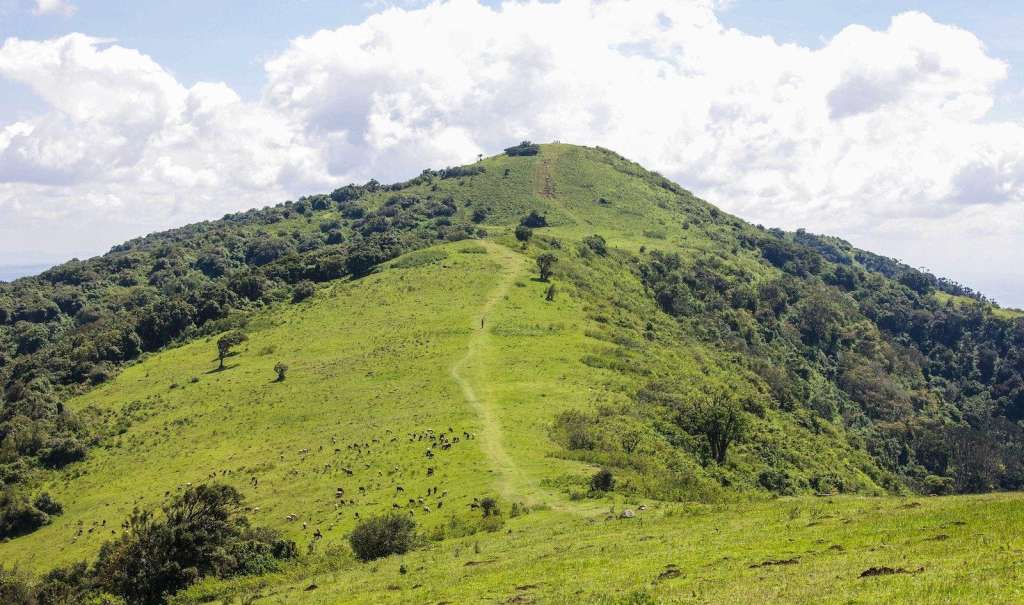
370, 363
723, 373
939, 550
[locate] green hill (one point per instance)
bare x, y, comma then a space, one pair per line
765, 401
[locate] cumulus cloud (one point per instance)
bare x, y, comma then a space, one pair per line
879, 135
54, 7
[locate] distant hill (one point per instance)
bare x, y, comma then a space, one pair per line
13, 272
697, 357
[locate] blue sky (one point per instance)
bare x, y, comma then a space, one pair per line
903, 135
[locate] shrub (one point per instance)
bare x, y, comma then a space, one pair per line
303, 290
47, 504
383, 535
602, 481
282, 370
18, 516
523, 233
545, 265
937, 486
266, 250
489, 507
334, 237
15, 588
775, 481
201, 534
581, 439
534, 220
369, 252
597, 244
524, 148
62, 452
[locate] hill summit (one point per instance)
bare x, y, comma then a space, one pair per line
548, 329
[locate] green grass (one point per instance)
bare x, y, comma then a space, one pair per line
1000, 312
958, 550
369, 362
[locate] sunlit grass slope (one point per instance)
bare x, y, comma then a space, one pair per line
803, 550
370, 362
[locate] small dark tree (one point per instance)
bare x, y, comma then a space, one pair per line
47, 504
281, 370
602, 481
524, 148
550, 296
524, 233
545, 264
597, 244
534, 220
334, 236
630, 440
380, 536
226, 343
489, 506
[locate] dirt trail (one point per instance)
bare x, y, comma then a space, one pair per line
511, 480
544, 184
513, 483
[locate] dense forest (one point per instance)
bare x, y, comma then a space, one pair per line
933, 389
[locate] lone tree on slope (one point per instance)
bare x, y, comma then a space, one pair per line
719, 417
281, 370
545, 264
523, 233
226, 343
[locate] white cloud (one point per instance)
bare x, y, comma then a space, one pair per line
54, 7
882, 136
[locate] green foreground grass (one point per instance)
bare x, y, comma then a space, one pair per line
790, 550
